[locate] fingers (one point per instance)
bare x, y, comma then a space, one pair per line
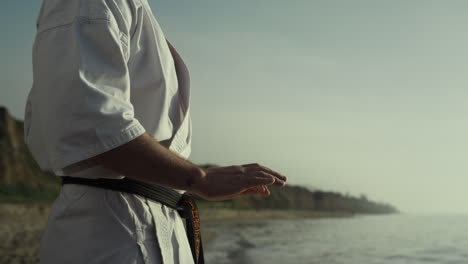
260, 190
278, 182
252, 167
254, 181
266, 190
256, 166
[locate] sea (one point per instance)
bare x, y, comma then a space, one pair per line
382, 239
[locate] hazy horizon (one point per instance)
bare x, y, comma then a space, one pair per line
361, 97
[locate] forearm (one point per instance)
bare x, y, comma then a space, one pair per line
145, 159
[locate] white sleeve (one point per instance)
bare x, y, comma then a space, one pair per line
82, 81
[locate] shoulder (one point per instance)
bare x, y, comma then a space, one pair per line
120, 13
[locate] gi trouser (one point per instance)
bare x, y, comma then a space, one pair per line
94, 225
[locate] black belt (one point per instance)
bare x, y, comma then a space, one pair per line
183, 203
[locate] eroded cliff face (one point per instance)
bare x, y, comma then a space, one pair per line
12, 167
19, 171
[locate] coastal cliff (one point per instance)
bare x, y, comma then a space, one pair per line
21, 179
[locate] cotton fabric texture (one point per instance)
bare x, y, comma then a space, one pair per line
103, 74
99, 226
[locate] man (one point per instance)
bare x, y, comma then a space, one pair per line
110, 99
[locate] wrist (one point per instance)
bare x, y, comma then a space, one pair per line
195, 179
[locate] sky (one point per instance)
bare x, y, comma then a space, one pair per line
361, 97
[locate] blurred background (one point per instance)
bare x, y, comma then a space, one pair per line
362, 104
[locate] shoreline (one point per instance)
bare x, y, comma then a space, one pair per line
206, 214
21, 225
211, 214
241, 217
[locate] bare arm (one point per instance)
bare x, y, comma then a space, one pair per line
145, 159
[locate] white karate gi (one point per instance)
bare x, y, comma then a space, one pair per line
103, 74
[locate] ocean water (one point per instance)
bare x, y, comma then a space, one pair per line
388, 239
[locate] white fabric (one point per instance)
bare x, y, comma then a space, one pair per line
103, 74
89, 225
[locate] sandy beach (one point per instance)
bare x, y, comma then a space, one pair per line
21, 226
21, 229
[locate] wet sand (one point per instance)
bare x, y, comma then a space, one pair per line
232, 219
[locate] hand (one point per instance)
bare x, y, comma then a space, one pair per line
223, 183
